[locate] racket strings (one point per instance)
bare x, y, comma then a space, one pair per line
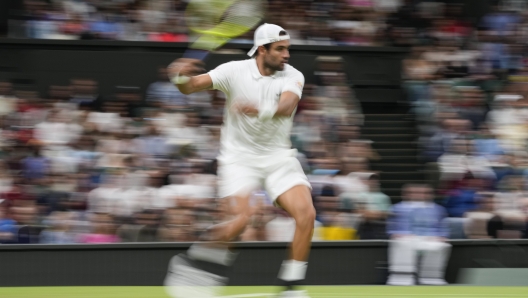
216, 22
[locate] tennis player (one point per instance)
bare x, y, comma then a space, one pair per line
262, 96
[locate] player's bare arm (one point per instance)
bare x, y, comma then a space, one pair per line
245, 108
286, 106
287, 103
194, 71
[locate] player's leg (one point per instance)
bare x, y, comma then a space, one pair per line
236, 183
288, 186
297, 201
237, 214
209, 261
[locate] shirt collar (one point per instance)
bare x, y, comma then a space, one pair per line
256, 73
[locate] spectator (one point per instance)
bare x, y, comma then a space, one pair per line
102, 230
191, 137
464, 197
54, 194
153, 144
8, 229
471, 107
500, 23
374, 206
103, 199
59, 232
7, 99
164, 93
36, 166
25, 213
459, 160
176, 226
144, 229
53, 132
84, 94
507, 120
440, 142
132, 197
417, 225
488, 146
509, 203
478, 224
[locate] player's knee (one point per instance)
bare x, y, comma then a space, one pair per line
311, 213
306, 217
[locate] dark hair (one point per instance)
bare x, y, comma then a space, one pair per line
268, 45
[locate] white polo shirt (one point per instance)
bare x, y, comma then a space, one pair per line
244, 136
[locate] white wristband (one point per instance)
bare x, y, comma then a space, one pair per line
267, 112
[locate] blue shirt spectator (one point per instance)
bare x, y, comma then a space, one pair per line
8, 229
462, 200
105, 29
501, 23
35, 167
418, 219
7, 225
153, 144
491, 149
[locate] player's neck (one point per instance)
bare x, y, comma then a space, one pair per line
264, 71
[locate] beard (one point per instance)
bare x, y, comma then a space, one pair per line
273, 66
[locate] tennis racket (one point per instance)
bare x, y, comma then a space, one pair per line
214, 22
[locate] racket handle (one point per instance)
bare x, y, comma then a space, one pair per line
195, 54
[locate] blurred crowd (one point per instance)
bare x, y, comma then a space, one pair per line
469, 95
141, 165
316, 22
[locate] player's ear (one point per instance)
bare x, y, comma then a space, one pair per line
261, 50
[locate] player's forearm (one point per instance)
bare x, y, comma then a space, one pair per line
286, 105
284, 111
284, 108
196, 84
184, 74
269, 112
187, 88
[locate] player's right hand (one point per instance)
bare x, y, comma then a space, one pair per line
185, 67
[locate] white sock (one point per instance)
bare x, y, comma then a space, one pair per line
293, 270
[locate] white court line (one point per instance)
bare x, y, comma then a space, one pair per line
407, 295
338, 295
250, 295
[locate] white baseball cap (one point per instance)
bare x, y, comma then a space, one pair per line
267, 33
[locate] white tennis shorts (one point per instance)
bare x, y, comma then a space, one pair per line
276, 174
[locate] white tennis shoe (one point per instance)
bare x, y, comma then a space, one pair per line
185, 280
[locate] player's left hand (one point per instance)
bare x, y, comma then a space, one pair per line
245, 108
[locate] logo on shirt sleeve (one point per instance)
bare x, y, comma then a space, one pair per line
299, 84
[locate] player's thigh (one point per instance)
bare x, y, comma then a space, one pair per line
297, 201
287, 185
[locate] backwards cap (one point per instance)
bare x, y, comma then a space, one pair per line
267, 33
